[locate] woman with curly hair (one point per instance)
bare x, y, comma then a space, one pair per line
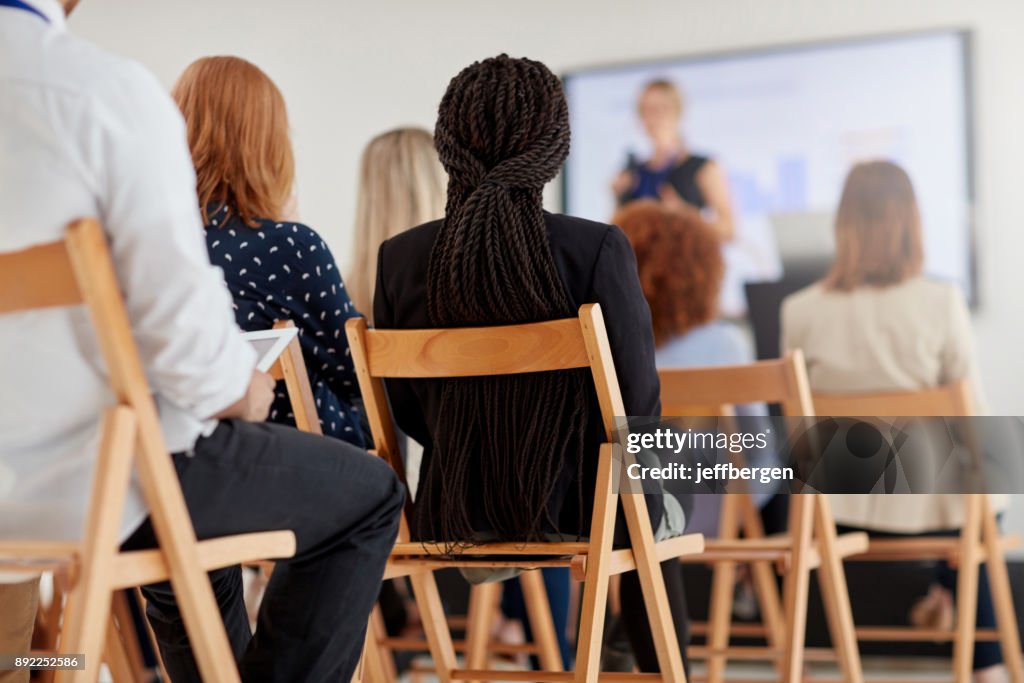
679, 260
680, 266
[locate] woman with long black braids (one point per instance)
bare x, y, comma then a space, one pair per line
514, 458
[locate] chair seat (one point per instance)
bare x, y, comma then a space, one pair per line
415, 549
38, 556
142, 567
926, 548
773, 549
549, 676
408, 558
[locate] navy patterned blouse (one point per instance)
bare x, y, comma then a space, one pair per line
284, 271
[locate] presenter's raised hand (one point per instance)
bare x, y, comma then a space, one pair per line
623, 183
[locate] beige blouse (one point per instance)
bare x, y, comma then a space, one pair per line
913, 335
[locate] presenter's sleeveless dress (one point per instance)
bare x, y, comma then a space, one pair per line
681, 175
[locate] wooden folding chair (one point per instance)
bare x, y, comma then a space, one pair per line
74, 271
290, 367
979, 540
513, 349
477, 646
810, 543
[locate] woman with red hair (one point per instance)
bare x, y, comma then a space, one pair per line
680, 263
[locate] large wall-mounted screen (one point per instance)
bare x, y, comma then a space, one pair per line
786, 124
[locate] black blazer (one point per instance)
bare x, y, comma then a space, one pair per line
597, 265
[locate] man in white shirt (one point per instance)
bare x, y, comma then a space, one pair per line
85, 133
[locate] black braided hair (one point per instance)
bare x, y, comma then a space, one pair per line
502, 133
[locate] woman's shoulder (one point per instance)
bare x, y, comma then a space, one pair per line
559, 225
290, 231
573, 230
692, 164
935, 289
564, 220
717, 342
577, 242
705, 345
417, 240
585, 250
223, 225
806, 298
733, 342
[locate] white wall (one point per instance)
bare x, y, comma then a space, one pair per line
352, 69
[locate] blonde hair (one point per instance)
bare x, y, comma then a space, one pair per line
668, 88
878, 229
237, 127
401, 185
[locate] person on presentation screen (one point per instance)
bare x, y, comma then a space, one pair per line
681, 180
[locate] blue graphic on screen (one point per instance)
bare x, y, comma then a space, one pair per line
788, 192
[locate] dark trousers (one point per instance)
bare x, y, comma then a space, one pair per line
343, 505
634, 614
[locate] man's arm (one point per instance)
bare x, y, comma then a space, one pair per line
179, 307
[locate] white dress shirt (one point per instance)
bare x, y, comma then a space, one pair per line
85, 133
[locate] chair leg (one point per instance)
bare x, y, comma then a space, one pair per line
116, 656
382, 663
483, 601
164, 676
363, 673
125, 622
967, 589
764, 577
723, 582
538, 610
835, 595
87, 615
801, 516
652, 585
435, 624
595, 585
48, 622
1002, 596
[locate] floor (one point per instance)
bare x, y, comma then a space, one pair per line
875, 669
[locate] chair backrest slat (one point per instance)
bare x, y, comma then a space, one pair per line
476, 351
782, 381
564, 344
951, 400
290, 367
38, 277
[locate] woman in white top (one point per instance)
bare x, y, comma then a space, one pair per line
875, 323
